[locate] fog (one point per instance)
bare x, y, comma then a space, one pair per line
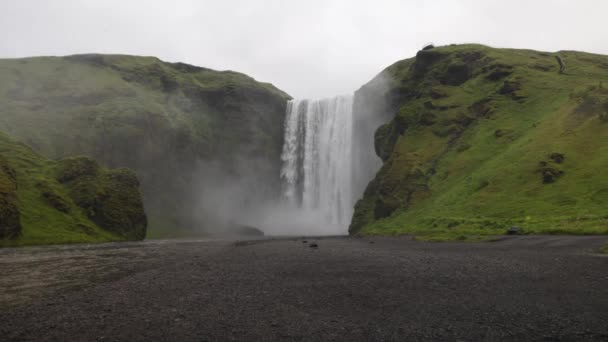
247, 198
312, 48
328, 159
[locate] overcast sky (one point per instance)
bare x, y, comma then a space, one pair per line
308, 48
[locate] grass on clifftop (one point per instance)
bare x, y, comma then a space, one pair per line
47, 200
485, 139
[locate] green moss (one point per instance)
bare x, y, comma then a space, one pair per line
10, 225
485, 159
118, 205
76, 167
89, 205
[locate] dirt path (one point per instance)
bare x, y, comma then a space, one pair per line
383, 289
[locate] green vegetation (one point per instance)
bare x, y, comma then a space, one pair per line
67, 201
10, 227
160, 119
485, 139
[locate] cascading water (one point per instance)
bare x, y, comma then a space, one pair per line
317, 161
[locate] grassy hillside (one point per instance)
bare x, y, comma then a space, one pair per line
483, 139
162, 120
66, 201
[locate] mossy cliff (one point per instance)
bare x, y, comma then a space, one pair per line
66, 201
483, 139
166, 121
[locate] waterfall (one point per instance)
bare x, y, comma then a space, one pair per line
317, 161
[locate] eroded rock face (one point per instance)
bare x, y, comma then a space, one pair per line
421, 82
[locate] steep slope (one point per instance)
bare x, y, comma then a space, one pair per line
483, 139
180, 127
71, 200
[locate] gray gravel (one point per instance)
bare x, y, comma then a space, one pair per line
528, 288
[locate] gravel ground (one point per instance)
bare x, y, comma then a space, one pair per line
545, 288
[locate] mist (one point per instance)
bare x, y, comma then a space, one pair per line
327, 161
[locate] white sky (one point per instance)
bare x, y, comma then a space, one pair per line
309, 48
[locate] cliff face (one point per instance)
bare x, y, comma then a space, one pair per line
173, 123
65, 201
482, 139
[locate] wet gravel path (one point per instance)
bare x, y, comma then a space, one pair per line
382, 289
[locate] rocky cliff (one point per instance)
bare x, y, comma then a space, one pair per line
483, 139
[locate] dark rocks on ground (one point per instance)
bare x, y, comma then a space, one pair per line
499, 133
305, 241
557, 157
313, 245
463, 120
550, 174
515, 230
509, 87
482, 108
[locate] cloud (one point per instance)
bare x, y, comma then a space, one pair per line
312, 48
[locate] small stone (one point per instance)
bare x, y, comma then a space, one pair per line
557, 157
304, 241
313, 245
515, 230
